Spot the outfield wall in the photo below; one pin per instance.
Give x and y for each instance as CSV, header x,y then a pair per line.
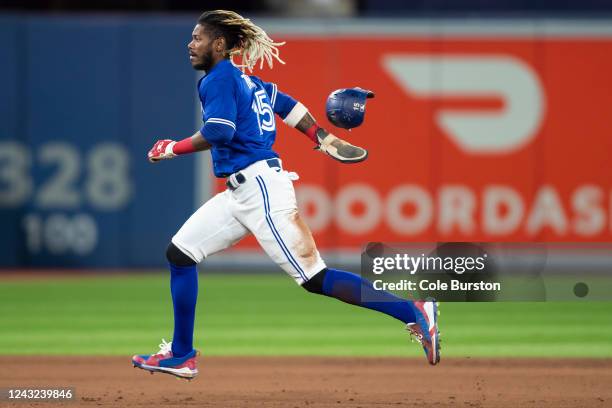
x,y
480,131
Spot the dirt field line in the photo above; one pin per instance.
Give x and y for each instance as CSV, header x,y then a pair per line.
x,y
320,382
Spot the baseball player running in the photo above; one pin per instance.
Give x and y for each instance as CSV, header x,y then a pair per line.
x,y
238,112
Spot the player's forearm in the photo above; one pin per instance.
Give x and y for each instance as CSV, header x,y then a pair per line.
x,y
301,119
195,143
306,122
308,126
199,142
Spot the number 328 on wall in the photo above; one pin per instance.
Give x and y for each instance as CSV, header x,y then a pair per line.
x,y
106,185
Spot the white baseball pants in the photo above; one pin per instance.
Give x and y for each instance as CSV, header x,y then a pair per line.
x,y
264,205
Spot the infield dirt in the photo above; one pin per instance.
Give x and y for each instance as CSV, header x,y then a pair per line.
x,y
319,382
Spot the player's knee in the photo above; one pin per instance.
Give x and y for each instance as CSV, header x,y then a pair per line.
x,y
315,284
177,257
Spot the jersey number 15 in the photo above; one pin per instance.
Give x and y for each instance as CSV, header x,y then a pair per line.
x,y
264,112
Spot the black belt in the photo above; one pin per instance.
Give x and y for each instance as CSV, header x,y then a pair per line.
x,y
236,179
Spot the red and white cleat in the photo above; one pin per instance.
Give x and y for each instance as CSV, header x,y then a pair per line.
x,y
425,329
164,362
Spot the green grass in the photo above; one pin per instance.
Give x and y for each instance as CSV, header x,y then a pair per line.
x,y
270,315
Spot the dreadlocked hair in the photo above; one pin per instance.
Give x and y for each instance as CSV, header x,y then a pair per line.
x,y
243,38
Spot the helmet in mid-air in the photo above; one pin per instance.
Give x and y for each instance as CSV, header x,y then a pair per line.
x,y
346,107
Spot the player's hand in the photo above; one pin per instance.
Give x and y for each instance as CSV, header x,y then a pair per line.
x,y
339,149
161,150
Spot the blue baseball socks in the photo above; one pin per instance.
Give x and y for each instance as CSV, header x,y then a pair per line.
x,y
345,286
184,288
352,288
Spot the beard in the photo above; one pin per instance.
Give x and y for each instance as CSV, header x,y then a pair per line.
x,y
205,61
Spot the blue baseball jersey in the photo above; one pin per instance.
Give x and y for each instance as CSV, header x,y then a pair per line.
x,y
238,111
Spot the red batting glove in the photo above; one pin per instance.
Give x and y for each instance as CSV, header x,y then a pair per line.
x,y
161,150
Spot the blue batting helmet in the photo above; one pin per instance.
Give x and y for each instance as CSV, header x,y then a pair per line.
x,y
346,107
